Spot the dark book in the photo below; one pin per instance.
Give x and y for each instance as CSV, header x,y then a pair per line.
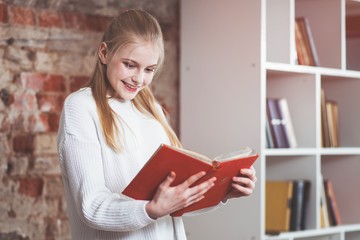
x,y
276,123
300,197
333,210
186,163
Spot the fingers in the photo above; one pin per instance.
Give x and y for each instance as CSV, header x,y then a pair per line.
x,y
244,191
196,193
249,173
193,179
169,179
245,182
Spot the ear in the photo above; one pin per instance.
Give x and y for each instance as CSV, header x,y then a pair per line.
x,y
102,52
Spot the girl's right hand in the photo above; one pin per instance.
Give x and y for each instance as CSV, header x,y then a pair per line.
x,y
169,199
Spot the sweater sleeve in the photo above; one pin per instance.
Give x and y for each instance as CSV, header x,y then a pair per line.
x,y
82,168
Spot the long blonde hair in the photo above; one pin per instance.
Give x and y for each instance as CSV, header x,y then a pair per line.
x,y
128,27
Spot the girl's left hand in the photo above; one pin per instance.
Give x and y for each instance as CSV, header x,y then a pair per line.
x,y
243,184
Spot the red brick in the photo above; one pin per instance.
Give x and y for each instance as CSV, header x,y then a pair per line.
x,y
74,20
54,119
97,23
50,19
50,120
3,13
23,144
32,187
54,83
21,15
49,102
42,81
77,82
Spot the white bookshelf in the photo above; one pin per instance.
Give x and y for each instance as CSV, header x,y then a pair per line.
x,y
234,54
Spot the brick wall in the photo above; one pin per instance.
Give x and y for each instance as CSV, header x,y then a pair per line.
x,y
47,51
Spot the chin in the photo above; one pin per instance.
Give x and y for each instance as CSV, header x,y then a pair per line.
x,y
129,96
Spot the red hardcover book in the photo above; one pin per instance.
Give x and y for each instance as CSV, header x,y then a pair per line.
x,y
186,163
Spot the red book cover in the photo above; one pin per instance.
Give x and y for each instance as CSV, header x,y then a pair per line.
x,y
186,163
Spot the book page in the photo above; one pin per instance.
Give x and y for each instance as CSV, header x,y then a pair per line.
x,y
193,154
242,152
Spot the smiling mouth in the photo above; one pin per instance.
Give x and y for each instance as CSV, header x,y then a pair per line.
x,y
131,86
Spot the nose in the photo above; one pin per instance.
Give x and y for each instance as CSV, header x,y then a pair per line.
x,y
138,78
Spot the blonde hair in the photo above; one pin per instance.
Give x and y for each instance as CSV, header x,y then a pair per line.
x,y
129,27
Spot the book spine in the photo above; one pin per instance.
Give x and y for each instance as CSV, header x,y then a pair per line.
x,y
334,214
332,116
299,41
305,43
287,122
299,204
324,121
269,135
276,124
324,216
311,44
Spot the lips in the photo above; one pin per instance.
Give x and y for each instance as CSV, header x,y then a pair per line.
x,y
131,88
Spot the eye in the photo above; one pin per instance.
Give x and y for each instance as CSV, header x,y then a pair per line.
x,y
150,70
128,64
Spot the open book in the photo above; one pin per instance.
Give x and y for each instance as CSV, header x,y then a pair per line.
x,y
186,163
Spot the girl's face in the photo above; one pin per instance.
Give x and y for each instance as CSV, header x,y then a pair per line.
x,y
131,68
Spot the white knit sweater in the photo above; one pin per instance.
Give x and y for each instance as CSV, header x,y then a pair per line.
x,y
94,175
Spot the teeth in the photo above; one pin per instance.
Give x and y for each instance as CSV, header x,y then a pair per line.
x,y
130,86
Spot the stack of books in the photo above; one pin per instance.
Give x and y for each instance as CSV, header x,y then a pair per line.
x,y
286,203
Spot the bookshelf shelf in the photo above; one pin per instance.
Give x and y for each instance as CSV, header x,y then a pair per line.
x,y
292,68
227,73
330,232
290,151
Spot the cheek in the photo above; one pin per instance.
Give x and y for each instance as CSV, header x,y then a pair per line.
x,y
116,70
148,79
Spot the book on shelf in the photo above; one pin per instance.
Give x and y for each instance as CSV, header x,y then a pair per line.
x,y
305,46
279,129
324,216
329,122
269,135
300,198
333,119
278,198
287,122
276,123
332,207
325,138
186,163
286,203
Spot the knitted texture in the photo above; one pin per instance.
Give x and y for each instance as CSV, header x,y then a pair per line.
x,y
94,175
